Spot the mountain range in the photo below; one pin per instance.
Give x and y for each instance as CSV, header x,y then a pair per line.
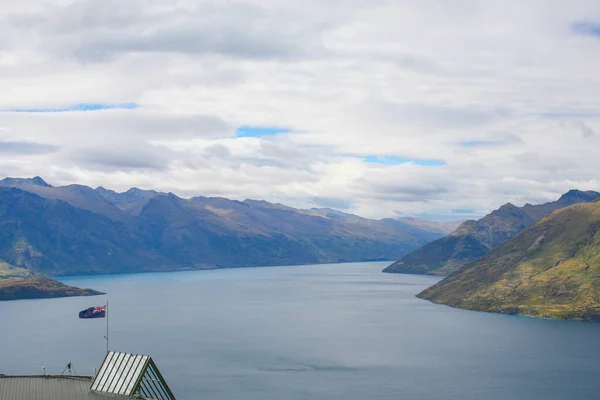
x,y
75,229
474,239
550,269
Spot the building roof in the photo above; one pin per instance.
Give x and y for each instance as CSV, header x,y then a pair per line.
x,y
131,375
51,387
121,376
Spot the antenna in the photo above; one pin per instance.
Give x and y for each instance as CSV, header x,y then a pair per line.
x,y
70,368
44,370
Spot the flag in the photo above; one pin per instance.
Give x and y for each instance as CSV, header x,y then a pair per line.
x,y
93,312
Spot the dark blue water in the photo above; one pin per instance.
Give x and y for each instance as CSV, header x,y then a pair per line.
x,y
342,331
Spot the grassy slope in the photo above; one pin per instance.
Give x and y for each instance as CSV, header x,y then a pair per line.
x,y
551,269
10,271
38,288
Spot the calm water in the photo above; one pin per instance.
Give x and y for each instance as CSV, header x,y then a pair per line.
x,y
342,331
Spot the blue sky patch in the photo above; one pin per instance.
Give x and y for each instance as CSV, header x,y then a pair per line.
x,y
395,160
78,107
259,131
586,28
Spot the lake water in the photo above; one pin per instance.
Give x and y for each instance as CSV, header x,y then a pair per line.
x,y
344,331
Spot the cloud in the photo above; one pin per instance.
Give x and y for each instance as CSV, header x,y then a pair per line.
x,y
585,130
115,125
463,211
26,148
123,157
332,202
376,107
478,143
94,32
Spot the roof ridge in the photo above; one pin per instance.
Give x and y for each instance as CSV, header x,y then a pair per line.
x,y
80,377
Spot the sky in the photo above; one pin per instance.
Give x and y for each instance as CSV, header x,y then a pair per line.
x,y
429,108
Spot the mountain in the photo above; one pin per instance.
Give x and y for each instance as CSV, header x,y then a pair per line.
x,y
222,232
551,269
74,230
407,222
433,226
52,237
77,195
131,201
24,182
473,239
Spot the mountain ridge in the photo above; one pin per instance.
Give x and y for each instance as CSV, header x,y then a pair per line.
x,y
70,230
473,239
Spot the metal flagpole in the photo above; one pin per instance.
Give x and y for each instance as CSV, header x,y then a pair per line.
x,y
106,327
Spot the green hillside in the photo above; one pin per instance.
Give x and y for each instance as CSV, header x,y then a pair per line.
x,y
551,269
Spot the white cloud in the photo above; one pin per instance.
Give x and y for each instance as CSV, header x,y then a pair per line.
x,y
505,94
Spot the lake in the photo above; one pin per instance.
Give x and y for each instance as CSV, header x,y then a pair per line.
x,y
342,331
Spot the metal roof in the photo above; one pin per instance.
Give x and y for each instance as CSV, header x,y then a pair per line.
x,y
131,375
50,387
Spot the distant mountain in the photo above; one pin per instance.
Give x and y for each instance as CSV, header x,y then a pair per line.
x,y
222,232
421,224
551,269
433,226
51,237
24,182
473,239
131,201
77,195
74,230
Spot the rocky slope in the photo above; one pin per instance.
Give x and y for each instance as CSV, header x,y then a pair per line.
x,y
551,269
473,239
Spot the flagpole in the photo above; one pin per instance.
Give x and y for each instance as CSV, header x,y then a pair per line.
x,y
106,326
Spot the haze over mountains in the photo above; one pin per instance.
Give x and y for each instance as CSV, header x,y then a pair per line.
x,y
551,269
79,230
474,239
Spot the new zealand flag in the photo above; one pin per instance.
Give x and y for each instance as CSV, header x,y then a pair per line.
x,y
93,312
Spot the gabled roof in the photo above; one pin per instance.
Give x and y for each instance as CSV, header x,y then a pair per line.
x,y
131,375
